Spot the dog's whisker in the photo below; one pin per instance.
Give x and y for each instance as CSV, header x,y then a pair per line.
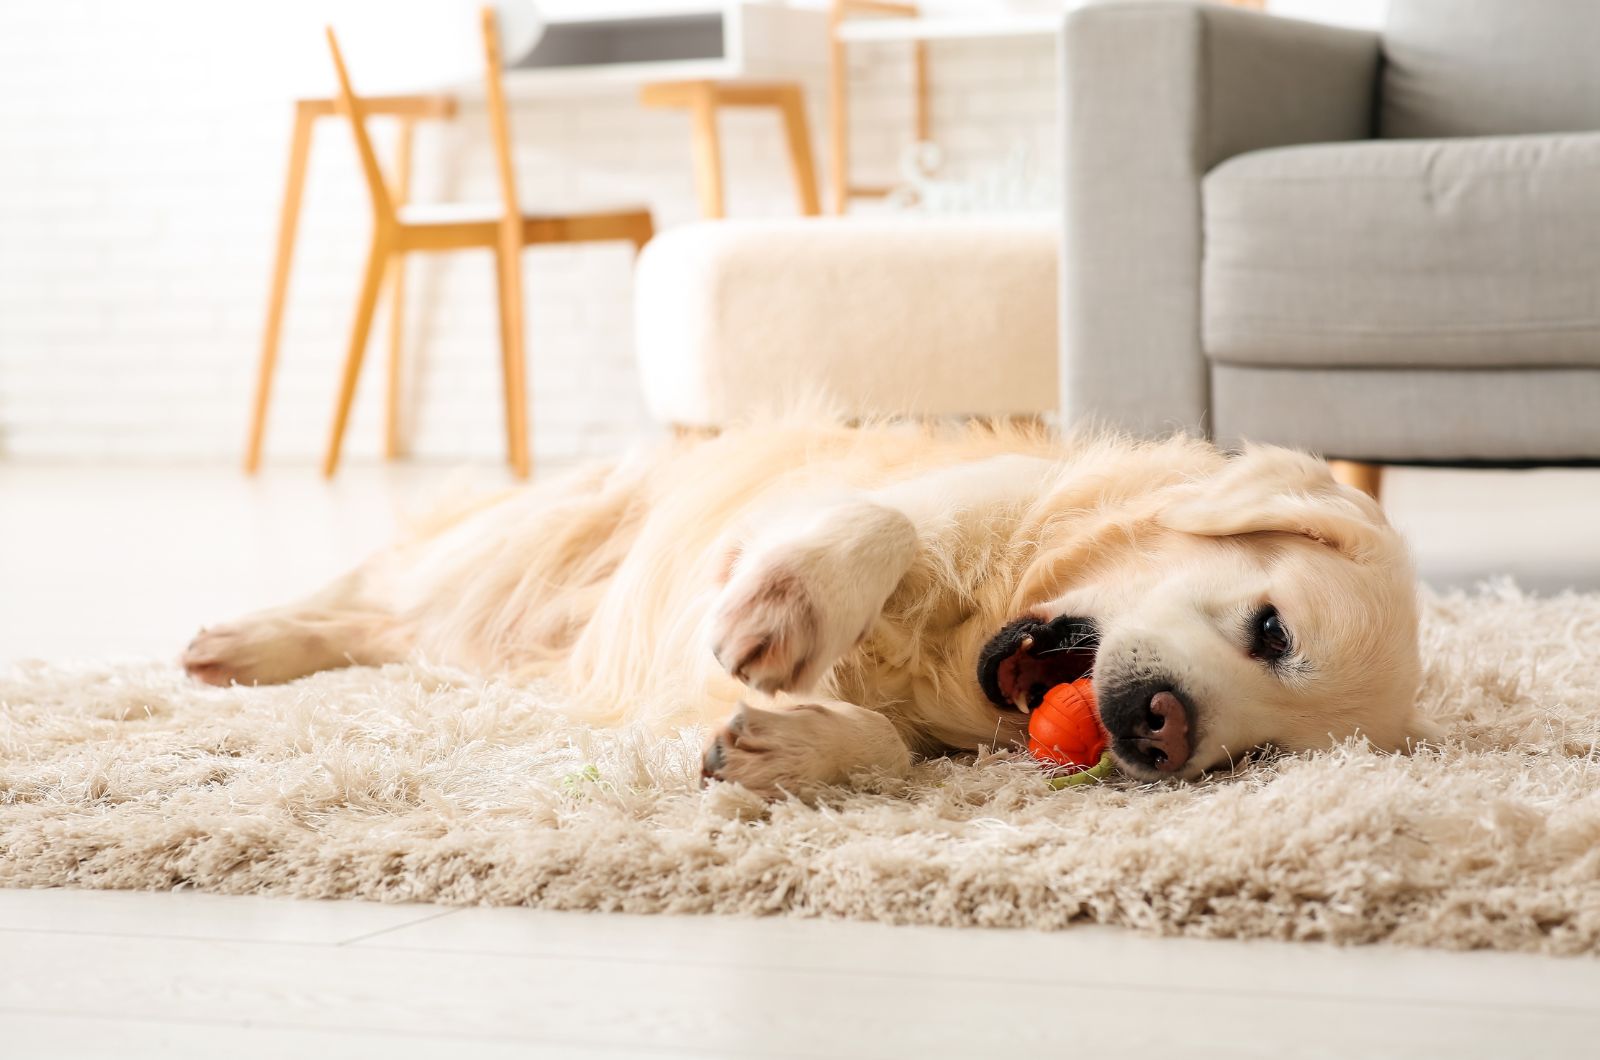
x,y
1080,646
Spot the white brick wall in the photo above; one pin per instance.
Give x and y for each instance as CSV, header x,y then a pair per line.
x,y
138,199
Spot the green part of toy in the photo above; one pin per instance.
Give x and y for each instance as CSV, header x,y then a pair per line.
x,y
574,783
1097,772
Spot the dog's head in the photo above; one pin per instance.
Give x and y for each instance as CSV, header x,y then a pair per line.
x,y
1264,604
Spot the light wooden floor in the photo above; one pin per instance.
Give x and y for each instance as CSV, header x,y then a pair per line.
x,y
96,563
103,974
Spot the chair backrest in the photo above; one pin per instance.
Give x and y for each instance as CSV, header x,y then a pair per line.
x,y
499,119
351,107
1486,67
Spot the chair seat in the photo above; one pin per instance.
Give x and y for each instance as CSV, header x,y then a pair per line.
x,y
454,213
1472,253
458,226
449,213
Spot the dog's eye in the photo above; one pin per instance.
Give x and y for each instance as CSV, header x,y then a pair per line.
x,y
1270,637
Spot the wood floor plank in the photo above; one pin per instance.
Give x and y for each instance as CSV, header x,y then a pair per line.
x,y
716,1010
74,1036
188,914
1084,956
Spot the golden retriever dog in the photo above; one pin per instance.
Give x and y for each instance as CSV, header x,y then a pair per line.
x,y
833,601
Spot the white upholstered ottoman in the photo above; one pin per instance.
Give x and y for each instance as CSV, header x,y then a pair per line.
x,y
914,316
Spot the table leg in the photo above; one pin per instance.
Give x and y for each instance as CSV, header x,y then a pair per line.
x,y
919,66
838,117
791,102
707,150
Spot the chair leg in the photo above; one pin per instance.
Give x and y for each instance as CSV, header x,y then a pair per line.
x,y
393,443
795,132
288,223
1368,478
513,355
502,307
360,329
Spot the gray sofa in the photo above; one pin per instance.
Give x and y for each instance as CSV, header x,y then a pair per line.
x,y
1382,247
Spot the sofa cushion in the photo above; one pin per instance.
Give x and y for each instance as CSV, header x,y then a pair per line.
x,y
1539,416
874,316
1474,252
1487,67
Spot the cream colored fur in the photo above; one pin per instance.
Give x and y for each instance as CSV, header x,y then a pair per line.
x,y
839,584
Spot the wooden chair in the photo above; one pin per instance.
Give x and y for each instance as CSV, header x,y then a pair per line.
x,y
502,228
406,111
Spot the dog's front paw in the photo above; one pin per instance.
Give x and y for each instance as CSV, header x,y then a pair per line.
x,y
798,748
798,602
766,631
767,752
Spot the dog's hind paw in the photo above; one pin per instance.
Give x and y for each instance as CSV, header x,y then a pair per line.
x,y
215,657
252,651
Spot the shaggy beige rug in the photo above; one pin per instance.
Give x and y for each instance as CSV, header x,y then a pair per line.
x,y
418,783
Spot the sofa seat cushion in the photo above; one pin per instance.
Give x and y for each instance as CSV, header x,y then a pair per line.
x,y
1479,252
1449,416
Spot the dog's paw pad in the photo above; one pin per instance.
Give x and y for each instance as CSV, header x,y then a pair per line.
x,y
765,632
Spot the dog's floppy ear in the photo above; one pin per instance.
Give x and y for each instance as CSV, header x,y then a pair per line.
x,y
1269,489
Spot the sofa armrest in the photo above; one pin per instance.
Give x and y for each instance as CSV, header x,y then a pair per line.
x,y
1155,95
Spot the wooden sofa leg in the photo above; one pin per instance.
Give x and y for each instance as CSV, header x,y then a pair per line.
x,y
1368,478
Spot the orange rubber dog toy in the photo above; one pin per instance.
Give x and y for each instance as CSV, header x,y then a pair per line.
x,y
1065,729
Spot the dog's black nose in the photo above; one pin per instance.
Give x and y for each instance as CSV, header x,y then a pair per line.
x,y
1150,726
